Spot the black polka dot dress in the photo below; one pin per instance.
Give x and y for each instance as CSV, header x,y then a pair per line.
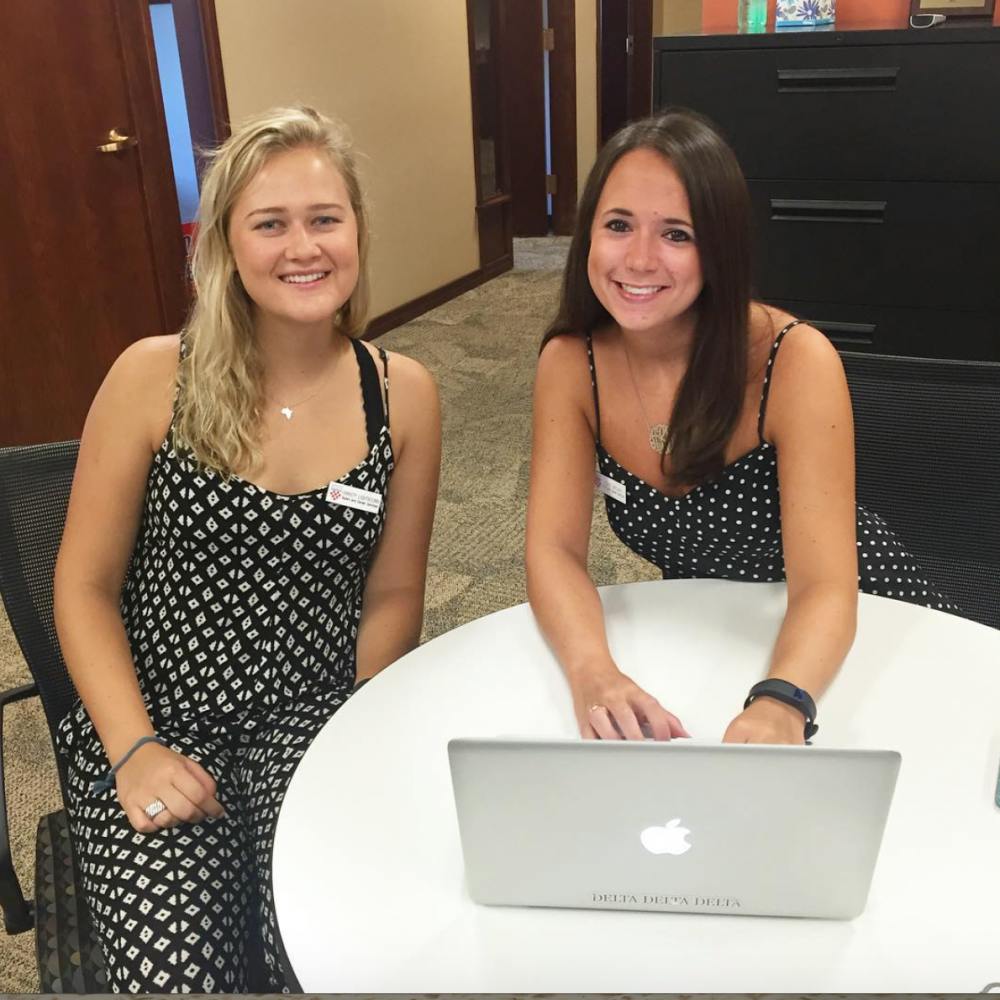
x,y
730,528
241,607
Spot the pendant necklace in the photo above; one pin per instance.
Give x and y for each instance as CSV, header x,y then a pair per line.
x,y
288,411
657,432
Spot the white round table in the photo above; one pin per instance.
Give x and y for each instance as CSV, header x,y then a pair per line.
x,y
368,876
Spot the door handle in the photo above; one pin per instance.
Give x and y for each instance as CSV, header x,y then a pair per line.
x,y
823,210
116,142
810,81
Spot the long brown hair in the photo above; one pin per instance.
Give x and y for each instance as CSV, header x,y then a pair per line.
x,y
710,398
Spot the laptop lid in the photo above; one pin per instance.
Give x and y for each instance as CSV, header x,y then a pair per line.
x,y
738,829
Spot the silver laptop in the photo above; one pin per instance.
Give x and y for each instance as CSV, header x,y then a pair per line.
x,y
679,826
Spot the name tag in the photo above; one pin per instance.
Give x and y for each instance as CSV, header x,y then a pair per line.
x,y
609,487
351,496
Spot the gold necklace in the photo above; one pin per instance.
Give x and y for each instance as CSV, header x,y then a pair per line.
x,y
657,432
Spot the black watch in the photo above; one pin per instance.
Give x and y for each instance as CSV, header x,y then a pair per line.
x,y
789,694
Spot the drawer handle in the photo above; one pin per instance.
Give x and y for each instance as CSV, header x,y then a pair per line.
x,y
847,334
851,80
806,210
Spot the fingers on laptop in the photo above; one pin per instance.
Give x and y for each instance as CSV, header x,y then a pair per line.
x,y
638,718
617,721
664,725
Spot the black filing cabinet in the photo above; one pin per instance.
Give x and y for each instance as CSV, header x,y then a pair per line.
x,y
873,162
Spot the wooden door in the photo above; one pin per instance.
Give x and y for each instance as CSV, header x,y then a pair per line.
x,y
93,251
490,151
640,58
562,114
522,85
612,67
625,70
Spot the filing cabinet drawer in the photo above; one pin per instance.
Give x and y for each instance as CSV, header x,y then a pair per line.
x,y
868,112
923,333
908,245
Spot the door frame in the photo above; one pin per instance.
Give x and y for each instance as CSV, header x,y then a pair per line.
x,y
640,65
493,211
522,86
163,220
623,94
562,115
201,69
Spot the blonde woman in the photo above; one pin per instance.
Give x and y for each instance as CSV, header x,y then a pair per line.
x,y
246,542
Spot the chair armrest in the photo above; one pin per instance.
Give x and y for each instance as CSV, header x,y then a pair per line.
x,y
18,912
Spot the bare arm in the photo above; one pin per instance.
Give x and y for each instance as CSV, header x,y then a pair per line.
x,y
562,594
393,607
809,421
105,506
127,420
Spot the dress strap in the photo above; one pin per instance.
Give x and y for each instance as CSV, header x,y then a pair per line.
x,y
593,386
371,392
765,390
385,380
185,349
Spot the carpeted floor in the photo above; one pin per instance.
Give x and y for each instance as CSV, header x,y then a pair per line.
x,y
481,348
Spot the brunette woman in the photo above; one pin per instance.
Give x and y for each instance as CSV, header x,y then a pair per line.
x,y
722,432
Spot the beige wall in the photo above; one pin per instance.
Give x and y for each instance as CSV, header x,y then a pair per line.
x,y
586,89
397,72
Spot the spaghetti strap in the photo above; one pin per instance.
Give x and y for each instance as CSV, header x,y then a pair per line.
x,y
766,388
593,386
182,353
385,381
371,393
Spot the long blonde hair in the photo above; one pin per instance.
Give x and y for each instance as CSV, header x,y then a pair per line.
x,y
219,380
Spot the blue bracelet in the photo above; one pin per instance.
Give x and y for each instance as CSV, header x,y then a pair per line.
x,y
108,781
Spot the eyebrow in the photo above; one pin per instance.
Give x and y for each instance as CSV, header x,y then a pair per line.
x,y
631,215
278,209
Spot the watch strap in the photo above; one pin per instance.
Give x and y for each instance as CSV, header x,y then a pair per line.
x,y
788,694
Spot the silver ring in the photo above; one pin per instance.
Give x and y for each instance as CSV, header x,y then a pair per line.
x,y
597,708
155,808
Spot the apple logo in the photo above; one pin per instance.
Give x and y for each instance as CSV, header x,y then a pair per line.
x,y
666,839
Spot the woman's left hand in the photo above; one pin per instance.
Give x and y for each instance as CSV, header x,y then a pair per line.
x,y
767,721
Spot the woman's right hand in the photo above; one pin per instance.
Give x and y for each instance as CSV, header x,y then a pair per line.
x,y
181,784
611,706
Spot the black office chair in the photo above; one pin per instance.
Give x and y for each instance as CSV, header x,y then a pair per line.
x,y
927,436
34,490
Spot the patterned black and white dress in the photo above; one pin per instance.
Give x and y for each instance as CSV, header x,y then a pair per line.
x,y
242,609
730,528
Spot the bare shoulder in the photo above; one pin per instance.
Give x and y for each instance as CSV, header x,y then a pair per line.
x,y
563,393
414,403
408,378
563,362
804,349
808,384
149,362
563,348
138,391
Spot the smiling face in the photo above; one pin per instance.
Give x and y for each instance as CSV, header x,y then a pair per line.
x,y
644,265
294,238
